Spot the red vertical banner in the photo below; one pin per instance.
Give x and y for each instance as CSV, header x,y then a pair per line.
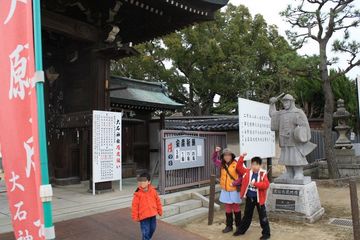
x,y
18,119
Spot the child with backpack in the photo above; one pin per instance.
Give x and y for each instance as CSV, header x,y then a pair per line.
x,y
230,182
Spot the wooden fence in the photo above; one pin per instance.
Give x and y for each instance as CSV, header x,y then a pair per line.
x,y
319,152
171,180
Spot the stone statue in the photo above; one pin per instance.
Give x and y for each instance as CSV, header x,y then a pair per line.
x,y
294,139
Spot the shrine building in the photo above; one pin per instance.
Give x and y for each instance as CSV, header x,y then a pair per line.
x,y
80,39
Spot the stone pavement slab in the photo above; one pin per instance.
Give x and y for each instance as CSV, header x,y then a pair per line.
x,y
75,201
2,185
112,225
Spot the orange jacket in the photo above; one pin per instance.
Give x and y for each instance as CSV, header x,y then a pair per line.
x,y
225,179
145,204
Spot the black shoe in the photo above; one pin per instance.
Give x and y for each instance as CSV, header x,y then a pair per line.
x,y
229,223
237,223
227,229
238,233
264,237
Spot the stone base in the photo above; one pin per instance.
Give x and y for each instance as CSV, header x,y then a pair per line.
x,y
66,181
294,202
304,181
297,217
346,170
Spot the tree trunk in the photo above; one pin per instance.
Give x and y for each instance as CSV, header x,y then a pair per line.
x,y
192,105
328,115
207,104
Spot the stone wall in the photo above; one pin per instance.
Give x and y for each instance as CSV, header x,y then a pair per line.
x,y
348,163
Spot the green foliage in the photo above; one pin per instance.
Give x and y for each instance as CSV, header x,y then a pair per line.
x,y
308,88
236,55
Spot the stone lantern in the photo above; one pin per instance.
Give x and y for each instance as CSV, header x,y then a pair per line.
x,y
342,116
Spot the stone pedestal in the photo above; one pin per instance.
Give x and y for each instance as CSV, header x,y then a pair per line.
x,y
294,202
304,181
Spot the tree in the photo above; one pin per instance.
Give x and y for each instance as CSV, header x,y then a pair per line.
x,y
236,55
318,20
309,93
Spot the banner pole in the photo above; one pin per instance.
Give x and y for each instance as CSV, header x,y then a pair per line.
x,y
45,189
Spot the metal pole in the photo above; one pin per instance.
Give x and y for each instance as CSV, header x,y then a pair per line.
x,y
47,206
211,199
162,171
354,209
358,105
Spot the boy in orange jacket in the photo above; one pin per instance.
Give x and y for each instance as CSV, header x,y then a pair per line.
x,y
145,206
254,188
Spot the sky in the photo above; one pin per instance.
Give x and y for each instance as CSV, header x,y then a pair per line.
x,y
270,9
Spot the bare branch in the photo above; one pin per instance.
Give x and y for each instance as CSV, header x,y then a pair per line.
x,y
351,66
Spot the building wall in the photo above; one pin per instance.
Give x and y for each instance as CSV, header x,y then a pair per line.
x,y
154,137
233,141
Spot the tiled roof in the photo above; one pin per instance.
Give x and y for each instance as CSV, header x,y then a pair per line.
x,y
205,123
132,93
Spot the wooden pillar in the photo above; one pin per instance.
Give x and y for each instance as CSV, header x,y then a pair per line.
x,y
100,72
354,209
269,168
162,120
84,142
211,199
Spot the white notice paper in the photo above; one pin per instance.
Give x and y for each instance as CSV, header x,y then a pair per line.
x,y
256,137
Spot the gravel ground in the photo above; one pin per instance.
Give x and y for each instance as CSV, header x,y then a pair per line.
x,y
335,200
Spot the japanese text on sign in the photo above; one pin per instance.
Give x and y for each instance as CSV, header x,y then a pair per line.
x,y
107,147
256,137
18,120
184,152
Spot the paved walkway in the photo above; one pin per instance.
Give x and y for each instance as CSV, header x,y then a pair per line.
x,y
112,225
75,201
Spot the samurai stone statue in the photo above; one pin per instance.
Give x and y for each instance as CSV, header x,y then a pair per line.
x,y
294,138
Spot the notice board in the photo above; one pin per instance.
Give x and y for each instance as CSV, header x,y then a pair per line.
x,y
256,137
107,148
184,152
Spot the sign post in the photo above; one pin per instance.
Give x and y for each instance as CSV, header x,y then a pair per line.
x,y
107,148
39,79
358,104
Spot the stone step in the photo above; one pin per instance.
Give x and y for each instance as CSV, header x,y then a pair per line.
x,y
186,195
175,198
170,210
181,207
188,205
183,218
